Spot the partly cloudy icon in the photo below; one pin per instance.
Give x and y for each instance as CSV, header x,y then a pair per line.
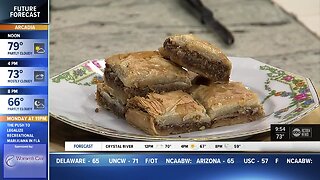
x,y
39,48
38,104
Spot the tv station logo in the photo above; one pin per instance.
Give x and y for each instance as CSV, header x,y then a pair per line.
x,y
301,132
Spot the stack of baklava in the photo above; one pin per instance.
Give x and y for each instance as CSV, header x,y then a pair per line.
x,y
181,88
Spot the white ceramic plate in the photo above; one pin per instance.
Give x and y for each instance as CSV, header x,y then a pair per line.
x,y
286,98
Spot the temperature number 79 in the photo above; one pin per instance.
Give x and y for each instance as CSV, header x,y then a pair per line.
x,y
15,45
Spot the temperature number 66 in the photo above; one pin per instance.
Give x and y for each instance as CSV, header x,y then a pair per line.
x,y
14,101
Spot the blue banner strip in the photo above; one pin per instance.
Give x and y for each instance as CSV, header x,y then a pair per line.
x,y
184,166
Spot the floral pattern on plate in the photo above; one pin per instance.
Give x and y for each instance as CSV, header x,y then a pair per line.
x,y
300,95
77,74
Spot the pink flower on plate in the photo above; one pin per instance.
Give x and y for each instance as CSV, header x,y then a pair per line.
x,y
87,66
300,97
96,63
288,78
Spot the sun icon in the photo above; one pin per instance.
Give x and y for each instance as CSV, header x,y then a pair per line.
x,y
193,146
37,48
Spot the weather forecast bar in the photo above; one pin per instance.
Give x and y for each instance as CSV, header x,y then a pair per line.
x,y
194,146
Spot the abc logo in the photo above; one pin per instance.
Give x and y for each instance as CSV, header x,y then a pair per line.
x,y
296,132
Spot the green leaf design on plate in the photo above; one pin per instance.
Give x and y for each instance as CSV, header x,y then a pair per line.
x,y
299,95
76,75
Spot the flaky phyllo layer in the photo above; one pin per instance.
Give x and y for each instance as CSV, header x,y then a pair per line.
x,y
207,107
142,72
198,56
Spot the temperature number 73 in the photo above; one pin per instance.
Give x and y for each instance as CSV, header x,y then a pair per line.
x,y
14,73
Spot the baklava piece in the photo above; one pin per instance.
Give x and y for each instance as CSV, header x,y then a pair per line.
x,y
110,99
167,113
229,103
139,73
198,56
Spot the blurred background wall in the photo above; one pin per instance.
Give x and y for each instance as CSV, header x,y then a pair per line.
x,y
283,33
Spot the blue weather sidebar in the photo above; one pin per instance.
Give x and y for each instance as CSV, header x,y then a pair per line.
x,y
24,89
24,101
